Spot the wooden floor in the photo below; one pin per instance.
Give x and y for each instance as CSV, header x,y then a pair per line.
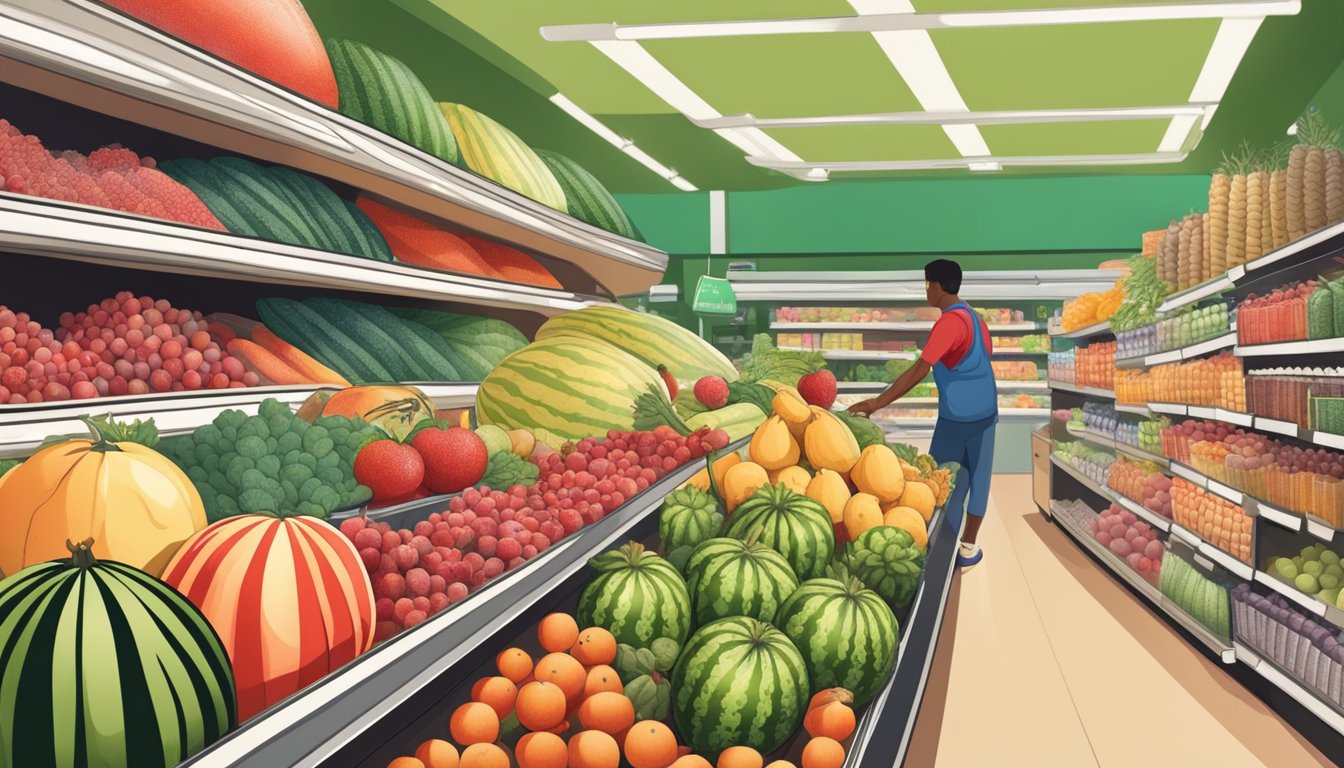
x,y
1045,661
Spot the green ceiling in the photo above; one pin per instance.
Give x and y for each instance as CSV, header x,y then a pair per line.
x,y
1098,65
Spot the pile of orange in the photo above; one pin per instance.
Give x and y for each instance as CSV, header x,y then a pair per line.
x,y
573,706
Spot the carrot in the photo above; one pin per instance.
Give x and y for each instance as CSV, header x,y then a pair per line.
x,y
268,366
296,358
221,333
673,388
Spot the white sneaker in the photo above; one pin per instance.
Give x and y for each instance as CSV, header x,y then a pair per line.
x,y
968,554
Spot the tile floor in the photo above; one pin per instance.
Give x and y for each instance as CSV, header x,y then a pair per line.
x,y
1045,661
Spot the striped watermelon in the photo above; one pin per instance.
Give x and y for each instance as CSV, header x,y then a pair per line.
x,y
738,682
587,199
797,527
495,152
379,90
103,665
571,387
731,577
649,338
637,596
888,561
289,596
689,516
846,632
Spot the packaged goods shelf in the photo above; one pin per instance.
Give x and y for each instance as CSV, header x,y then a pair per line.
x,y
818,287
913,326
96,235
1100,329
1152,518
88,54
1284,682
24,427
1294,348
1190,352
1088,391
1103,441
1076,474
1306,602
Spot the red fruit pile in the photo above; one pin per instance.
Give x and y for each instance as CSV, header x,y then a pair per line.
x,y
34,366
1129,538
1143,482
112,177
436,461
486,532
1279,316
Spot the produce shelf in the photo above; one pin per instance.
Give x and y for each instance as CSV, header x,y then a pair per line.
x,y
87,54
24,427
1152,518
1089,391
1137,410
1140,454
1209,551
312,726
855,354
1284,682
1089,483
913,325
908,285
1314,347
1190,352
1308,603
1204,290
1002,385
1100,329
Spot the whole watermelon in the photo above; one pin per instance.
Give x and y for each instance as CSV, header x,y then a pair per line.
x,y
637,596
846,633
104,666
888,561
797,527
689,516
738,682
731,577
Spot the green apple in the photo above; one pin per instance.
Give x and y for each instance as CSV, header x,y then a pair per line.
x,y
1285,568
1307,583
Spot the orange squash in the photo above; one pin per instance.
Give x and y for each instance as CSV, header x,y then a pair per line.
x,y
393,409
135,504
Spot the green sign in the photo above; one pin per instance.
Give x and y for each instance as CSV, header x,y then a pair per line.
x,y
714,296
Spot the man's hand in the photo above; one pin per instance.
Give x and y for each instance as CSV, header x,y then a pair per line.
x,y
865,407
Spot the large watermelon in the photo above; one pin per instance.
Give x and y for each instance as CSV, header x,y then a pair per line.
x,y
797,527
846,632
730,577
571,387
689,517
637,596
381,91
587,199
496,153
888,561
102,665
738,682
289,596
652,339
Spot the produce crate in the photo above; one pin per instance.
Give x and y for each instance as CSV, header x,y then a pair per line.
x,y
1301,645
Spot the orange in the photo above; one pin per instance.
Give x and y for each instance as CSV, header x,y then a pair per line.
x,y
650,744
833,720
541,750
474,723
514,663
691,761
484,756
593,749
498,692
740,757
822,752
437,753
595,646
827,695
563,670
541,706
602,678
607,711
781,764
406,762
558,632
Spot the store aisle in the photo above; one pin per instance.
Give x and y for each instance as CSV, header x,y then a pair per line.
x,y
1045,661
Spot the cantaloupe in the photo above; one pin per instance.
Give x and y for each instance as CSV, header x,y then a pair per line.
x,y
918,496
910,521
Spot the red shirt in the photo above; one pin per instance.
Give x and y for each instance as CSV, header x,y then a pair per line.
x,y
950,339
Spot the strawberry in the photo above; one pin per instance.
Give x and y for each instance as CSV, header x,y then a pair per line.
x,y
455,458
818,388
712,392
390,469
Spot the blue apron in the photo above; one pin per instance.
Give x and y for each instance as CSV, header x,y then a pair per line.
x,y
967,392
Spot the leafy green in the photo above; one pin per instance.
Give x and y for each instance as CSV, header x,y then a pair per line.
x,y
142,432
758,395
1144,293
766,363
652,410
504,470
904,452
686,404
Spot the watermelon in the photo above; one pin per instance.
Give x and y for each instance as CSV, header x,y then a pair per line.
x,y
652,339
381,91
637,596
103,665
482,342
797,527
731,577
271,38
888,561
586,198
689,516
571,387
289,596
738,682
846,633
496,153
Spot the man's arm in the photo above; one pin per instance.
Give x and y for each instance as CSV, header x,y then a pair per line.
x,y
903,384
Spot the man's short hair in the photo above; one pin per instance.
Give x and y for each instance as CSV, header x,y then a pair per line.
x,y
944,272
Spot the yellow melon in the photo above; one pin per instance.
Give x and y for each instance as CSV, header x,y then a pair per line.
x,y
918,496
908,520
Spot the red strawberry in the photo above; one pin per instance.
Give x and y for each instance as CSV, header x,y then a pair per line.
x,y
712,392
818,388
390,469
455,458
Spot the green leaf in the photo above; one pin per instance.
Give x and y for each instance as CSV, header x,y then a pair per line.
x,y
758,395
652,410
766,363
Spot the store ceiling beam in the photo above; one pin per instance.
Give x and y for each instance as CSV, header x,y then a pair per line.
x,y
958,117
801,169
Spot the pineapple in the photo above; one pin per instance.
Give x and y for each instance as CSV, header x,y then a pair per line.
x,y
1220,191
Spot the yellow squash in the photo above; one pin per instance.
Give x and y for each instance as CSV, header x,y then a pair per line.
x,y
919,497
862,512
829,444
878,472
795,478
772,446
135,504
740,481
830,490
721,466
908,520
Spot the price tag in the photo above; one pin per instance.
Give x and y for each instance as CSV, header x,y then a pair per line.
x,y
1231,494
1279,517
1278,427
1320,530
1180,469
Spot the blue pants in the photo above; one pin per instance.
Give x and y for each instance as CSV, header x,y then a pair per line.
x,y
970,444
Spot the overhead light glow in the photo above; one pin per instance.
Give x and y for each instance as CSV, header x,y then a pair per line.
x,y
819,174
953,117
1292,129
614,139
1229,46
1178,130
682,184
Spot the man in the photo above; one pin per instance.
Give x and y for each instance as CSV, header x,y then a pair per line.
x,y
958,353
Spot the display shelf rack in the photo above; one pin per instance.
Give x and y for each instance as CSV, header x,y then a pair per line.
x,y
1254,507
1293,348
96,235
1001,385
23,428
1004,413
1204,290
311,726
91,55
912,326
1099,329
1152,518
908,285
1226,561
1135,452
1103,441
1076,474
1077,390
1191,352
856,354
1304,601
1169,409
1132,409
1286,683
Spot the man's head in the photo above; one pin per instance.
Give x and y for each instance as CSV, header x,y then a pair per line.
x,y
942,278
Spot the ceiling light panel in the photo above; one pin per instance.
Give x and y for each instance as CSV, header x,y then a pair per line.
x,y
615,139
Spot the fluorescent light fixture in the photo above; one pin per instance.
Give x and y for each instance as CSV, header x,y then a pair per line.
x,y
1178,131
645,160
1292,129
614,139
682,184
882,19
646,69
818,174
800,170
1229,46
952,117
1208,117
985,166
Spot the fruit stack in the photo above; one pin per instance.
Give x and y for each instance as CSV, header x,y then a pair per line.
x,y
1015,370
1096,365
1200,596
1218,521
1095,464
1144,482
1277,316
1100,418
1315,571
1217,381
1298,642
1063,367
1312,398
1192,326
1130,539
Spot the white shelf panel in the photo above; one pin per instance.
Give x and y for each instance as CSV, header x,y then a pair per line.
x,y
96,235
1089,391
1286,428
85,53
1200,292
1234,417
1171,409
1314,347
1100,329
1137,410
855,354
1152,518
1140,454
